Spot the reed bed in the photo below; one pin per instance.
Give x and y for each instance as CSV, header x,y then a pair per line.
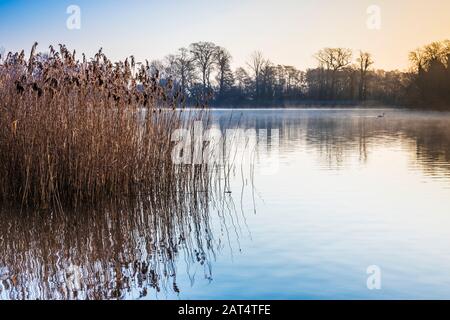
x,y
74,131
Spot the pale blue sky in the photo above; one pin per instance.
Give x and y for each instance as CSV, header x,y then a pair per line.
x,y
286,31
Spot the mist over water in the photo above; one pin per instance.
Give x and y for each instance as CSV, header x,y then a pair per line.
x,y
351,189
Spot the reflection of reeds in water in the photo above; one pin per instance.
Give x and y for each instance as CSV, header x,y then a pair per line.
x,y
123,250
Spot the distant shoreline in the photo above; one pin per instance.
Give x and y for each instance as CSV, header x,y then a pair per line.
x,y
308,106
371,106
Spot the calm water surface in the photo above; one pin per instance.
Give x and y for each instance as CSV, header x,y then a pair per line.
x,y
350,190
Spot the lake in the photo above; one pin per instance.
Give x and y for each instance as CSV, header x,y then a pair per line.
x,y
345,190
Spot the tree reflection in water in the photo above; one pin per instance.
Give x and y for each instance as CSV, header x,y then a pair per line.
x,y
336,136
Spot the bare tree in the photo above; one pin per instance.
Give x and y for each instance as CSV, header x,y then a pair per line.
x,y
435,52
243,80
334,60
417,57
223,61
268,73
365,60
169,65
157,68
203,56
185,69
423,57
257,63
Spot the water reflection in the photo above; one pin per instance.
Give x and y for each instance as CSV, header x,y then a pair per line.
x,y
352,190
118,251
339,136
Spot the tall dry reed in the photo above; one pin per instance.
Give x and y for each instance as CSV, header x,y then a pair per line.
x,y
76,131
